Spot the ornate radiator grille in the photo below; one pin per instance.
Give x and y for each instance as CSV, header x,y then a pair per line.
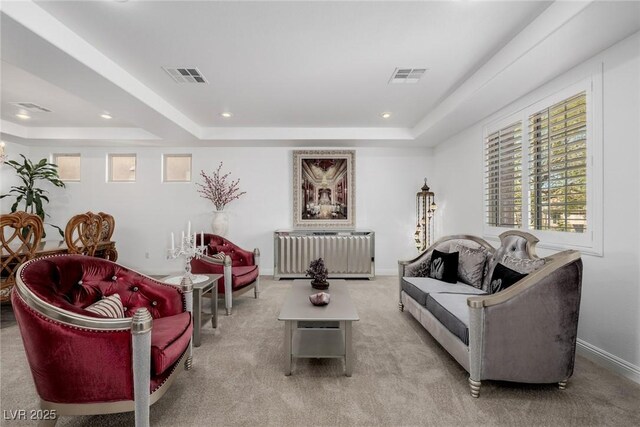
x,y
344,255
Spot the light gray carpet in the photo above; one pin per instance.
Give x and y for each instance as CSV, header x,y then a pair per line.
x,y
401,377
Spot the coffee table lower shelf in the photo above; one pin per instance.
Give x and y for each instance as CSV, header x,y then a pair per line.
x,y
318,331
320,343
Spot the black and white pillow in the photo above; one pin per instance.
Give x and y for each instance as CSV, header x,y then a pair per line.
x,y
219,256
110,306
502,278
444,266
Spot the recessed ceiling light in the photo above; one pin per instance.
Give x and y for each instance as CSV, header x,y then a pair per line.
x,y
106,116
226,114
23,116
385,115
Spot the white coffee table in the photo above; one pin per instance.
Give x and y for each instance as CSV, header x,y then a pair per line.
x,y
318,332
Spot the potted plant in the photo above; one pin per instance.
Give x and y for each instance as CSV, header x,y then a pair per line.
x,y
33,196
220,193
319,273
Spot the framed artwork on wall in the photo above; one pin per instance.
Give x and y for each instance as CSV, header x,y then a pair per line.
x,y
324,189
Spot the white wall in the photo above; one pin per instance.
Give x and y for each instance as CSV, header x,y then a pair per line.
x,y
609,327
148,210
8,177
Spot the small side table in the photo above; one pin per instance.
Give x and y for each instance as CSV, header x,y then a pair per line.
x,y
201,287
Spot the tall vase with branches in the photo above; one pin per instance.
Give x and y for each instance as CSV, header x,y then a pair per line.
x,y
221,191
33,197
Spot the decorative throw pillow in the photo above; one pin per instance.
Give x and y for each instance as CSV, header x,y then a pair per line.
x,y
471,265
444,266
521,265
219,256
422,269
502,278
110,306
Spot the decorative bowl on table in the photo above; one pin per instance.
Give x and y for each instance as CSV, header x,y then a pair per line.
x,y
321,298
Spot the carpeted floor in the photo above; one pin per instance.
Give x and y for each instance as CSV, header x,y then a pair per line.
x,y
401,377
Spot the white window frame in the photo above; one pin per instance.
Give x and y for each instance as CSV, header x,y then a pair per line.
x,y
54,160
591,241
164,168
110,179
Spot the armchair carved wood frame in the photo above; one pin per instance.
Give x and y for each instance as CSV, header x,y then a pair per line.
x,y
20,235
86,364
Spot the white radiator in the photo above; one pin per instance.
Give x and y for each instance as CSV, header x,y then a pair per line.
x,y
346,253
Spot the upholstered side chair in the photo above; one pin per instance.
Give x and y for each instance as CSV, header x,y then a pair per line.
x,y
21,233
241,268
86,362
83,233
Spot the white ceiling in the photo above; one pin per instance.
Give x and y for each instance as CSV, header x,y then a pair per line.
x,y
66,109
288,71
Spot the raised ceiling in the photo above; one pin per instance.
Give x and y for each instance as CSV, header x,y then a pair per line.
x,y
288,71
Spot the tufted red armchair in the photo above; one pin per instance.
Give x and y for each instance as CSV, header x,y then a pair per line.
x,y
85,363
240,267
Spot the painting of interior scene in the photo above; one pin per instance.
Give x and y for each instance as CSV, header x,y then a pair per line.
x,y
324,189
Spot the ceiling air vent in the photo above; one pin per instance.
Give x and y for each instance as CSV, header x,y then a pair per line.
x,y
406,75
185,75
30,106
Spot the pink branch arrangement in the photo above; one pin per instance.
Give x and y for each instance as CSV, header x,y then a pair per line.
x,y
216,188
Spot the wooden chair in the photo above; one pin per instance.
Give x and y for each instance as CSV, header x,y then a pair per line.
x,y
83,233
21,235
108,226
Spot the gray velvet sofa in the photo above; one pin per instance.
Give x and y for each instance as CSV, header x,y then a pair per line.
x,y
525,333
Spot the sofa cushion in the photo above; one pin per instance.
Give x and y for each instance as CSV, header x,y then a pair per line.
x,y
219,256
110,306
422,269
444,266
503,277
170,337
240,277
452,311
522,265
471,265
419,287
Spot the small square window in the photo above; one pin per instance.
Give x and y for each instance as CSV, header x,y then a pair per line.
x,y
176,168
122,167
68,166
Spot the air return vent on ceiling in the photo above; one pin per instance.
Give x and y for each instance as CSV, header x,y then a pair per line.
x,y
406,75
30,106
185,75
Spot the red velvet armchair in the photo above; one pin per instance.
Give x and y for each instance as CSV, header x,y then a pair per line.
x,y
84,363
240,267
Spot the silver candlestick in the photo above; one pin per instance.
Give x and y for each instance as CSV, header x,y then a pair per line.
x,y
188,250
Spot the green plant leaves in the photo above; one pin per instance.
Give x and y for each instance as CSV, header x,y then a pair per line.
x,y
33,196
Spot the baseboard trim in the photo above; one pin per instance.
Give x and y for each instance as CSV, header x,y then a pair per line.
x,y
608,360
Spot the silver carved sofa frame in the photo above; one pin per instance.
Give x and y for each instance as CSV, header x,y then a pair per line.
x,y
526,333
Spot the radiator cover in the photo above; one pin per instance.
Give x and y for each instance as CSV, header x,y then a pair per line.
x,y
347,254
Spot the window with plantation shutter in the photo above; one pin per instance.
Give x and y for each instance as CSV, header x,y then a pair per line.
x,y
543,170
558,166
503,176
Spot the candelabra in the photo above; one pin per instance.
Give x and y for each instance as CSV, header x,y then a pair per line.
x,y
187,250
